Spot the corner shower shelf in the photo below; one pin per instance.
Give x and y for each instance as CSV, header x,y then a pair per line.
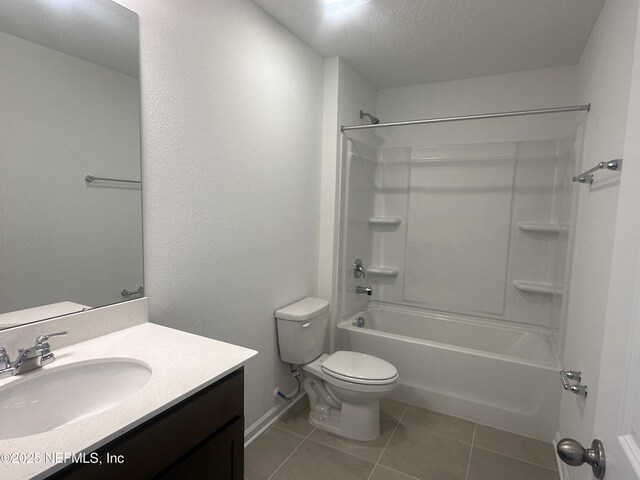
x,y
383,271
542,227
542,288
384,221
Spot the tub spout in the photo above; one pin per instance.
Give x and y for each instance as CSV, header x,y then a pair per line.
x,y
363,290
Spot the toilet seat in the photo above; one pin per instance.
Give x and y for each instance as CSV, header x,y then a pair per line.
x,y
316,369
360,368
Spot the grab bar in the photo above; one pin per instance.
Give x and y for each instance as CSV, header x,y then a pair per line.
x,y
587,177
91,178
575,376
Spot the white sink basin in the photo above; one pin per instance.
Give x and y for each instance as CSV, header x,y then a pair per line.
x,y
48,399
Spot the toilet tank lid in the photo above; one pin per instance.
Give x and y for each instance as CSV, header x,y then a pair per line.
x,y
303,310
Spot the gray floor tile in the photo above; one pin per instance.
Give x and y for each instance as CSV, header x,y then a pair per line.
x,y
383,473
487,465
416,418
422,454
296,419
516,446
313,461
267,452
393,408
367,450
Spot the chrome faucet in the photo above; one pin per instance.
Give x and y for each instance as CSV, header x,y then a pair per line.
x,y
33,357
363,290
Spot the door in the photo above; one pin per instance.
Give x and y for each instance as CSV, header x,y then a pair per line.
x,y
617,412
617,417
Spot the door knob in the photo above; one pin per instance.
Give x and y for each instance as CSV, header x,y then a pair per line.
x,y
572,453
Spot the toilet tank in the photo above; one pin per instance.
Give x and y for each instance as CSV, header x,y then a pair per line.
x,y
302,328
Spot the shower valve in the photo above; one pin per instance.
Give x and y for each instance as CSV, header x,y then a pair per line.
x,y
358,269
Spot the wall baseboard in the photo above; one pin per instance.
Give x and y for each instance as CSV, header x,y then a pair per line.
x,y
268,419
563,468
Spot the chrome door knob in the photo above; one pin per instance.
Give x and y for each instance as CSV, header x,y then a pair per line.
x,y
573,453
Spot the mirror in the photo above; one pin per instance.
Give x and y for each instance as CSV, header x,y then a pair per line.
x,y
70,101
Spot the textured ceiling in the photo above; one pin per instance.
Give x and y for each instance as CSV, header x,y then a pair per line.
x,y
403,42
99,31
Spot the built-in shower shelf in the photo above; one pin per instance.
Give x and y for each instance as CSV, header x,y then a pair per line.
x,y
542,288
383,271
385,221
542,227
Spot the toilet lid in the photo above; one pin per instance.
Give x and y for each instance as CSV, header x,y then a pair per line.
x,y
359,367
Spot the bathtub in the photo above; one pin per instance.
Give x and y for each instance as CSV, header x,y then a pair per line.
x,y
475,369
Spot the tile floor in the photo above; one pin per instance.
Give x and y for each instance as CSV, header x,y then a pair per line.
x,y
414,444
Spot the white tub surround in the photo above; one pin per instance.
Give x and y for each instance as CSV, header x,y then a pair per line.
x,y
501,376
181,364
482,228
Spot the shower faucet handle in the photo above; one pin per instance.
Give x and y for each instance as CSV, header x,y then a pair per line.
x,y
358,269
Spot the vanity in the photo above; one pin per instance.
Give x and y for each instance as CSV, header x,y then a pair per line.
x,y
144,401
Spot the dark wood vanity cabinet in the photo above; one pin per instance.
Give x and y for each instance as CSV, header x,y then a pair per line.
x,y
202,437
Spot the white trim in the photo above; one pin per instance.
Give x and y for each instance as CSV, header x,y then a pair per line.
x,y
563,468
268,419
632,452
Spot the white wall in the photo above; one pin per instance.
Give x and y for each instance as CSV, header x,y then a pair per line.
x,y
345,94
549,87
61,238
329,179
231,115
604,80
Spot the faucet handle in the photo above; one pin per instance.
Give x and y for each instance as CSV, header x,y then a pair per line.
x,y
45,351
42,339
6,370
5,361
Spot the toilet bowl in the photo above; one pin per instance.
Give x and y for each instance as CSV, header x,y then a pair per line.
x,y
344,388
344,405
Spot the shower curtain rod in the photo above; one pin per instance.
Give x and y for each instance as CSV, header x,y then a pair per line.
x,y
541,111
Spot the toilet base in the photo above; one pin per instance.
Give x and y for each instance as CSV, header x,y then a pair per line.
x,y
359,421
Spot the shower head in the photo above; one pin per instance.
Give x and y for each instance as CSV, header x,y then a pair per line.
x,y
374,120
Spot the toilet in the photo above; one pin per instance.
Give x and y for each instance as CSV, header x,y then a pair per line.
x,y
344,388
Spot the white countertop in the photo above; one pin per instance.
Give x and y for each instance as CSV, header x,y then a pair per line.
x,y
181,363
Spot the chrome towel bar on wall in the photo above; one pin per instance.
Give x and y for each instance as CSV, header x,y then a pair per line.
x,y
587,177
91,179
127,293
